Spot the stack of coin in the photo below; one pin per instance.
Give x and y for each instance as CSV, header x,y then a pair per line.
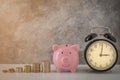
x,y
27,68
36,67
19,69
11,70
4,71
46,66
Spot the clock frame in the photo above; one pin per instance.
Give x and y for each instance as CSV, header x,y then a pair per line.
x,y
85,54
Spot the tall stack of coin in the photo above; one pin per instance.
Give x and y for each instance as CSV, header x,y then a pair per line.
x,y
19,69
27,68
46,66
36,67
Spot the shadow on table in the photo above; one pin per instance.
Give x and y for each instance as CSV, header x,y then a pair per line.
x,y
87,70
95,72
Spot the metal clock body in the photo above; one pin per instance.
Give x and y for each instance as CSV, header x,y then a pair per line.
x,y
101,55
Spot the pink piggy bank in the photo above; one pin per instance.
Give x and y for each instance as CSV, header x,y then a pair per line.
x,y
66,57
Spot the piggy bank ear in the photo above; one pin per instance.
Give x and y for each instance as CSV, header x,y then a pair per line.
x,y
55,47
76,47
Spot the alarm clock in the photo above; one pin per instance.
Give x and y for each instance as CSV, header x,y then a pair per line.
x,y
101,53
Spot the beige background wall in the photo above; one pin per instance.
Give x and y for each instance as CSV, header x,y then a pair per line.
x,y
29,28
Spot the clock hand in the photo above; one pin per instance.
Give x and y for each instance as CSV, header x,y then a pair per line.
x,y
101,50
105,55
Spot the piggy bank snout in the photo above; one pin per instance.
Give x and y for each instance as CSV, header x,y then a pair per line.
x,y
65,60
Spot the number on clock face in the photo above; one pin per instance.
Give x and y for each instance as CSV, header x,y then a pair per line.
x,y
101,55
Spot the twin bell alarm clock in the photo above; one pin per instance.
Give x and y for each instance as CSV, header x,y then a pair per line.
x,y
100,53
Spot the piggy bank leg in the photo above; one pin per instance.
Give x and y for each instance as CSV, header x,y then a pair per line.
x,y
73,70
58,69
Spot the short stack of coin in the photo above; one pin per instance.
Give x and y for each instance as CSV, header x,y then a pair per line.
x,y
11,70
5,71
45,66
36,67
27,68
19,69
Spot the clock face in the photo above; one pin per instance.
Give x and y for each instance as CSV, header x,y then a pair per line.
x,y
101,55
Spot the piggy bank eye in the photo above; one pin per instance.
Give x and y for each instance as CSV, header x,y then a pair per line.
x,y
70,53
61,52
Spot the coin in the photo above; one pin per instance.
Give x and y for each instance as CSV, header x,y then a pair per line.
x,y
19,69
36,67
46,66
27,68
4,71
11,70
